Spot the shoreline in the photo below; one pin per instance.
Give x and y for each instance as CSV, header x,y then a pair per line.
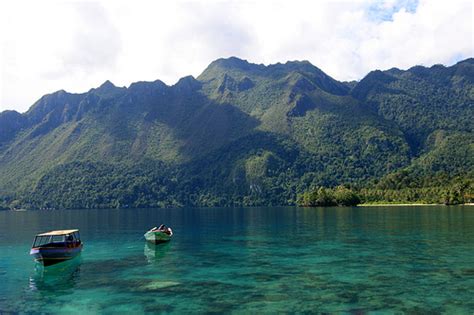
x,y
409,204
367,205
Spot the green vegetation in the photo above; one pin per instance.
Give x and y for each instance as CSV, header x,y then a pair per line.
x,y
400,188
322,197
245,135
5,204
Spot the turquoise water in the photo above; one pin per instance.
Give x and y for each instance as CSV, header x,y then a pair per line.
x,y
345,260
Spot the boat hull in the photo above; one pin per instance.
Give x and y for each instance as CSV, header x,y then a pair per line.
x,y
157,237
51,255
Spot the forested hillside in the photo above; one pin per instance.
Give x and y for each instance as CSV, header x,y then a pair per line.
x,y
244,134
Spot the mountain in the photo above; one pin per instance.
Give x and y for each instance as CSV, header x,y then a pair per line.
x,y
238,134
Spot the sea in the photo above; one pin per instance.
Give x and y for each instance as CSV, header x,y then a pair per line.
x,y
344,260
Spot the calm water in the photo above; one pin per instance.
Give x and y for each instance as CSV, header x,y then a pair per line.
x,y
347,260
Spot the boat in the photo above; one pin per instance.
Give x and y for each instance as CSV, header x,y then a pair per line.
x,y
56,246
159,235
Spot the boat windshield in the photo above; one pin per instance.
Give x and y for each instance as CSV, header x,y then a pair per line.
x,y
41,240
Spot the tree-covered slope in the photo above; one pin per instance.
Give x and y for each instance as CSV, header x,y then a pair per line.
x,y
422,100
239,134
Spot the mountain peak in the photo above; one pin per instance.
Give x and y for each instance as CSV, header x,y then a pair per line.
x,y
300,63
217,67
303,66
187,83
466,61
107,89
232,62
144,85
242,64
107,85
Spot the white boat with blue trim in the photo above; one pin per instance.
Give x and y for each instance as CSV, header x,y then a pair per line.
x,y
56,246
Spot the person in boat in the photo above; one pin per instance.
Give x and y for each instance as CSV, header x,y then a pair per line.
x,y
69,241
160,228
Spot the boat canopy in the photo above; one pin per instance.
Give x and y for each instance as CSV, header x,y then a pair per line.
x,y
58,233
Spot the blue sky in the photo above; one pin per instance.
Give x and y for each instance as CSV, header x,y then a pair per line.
x,y
50,45
380,11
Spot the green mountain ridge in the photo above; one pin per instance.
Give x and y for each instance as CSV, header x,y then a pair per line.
x,y
238,134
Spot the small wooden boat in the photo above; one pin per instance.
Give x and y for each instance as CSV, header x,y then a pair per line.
x,y
159,235
56,246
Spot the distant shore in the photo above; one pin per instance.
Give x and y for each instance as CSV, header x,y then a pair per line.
x,y
407,204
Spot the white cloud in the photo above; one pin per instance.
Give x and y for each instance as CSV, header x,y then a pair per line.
x,y
52,45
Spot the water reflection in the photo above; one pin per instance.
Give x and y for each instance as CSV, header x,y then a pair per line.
x,y
154,253
60,278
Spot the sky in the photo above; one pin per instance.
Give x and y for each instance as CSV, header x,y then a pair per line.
x,y
51,45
